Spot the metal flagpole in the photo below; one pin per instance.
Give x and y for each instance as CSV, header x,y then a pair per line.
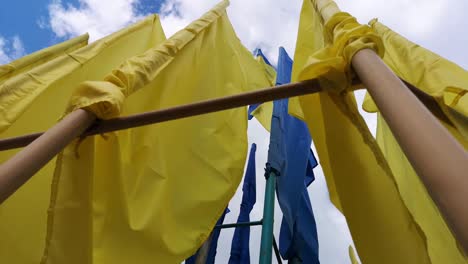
x,y
266,243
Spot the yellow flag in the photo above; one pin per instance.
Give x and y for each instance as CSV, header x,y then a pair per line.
x,y
153,194
436,77
360,181
433,75
264,111
352,255
37,58
32,99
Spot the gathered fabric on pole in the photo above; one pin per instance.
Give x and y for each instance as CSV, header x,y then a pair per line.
x,y
360,181
155,192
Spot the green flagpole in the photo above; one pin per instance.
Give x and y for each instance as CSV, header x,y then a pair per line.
x,y
268,215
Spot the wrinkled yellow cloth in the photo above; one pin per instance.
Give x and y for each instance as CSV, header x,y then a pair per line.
x,y
442,246
37,58
32,101
154,193
359,179
436,77
439,78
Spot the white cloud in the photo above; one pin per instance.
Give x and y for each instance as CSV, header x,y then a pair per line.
x,y
97,17
11,49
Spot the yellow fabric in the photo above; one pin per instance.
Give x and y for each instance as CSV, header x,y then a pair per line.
x,y
153,194
432,74
32,60
33,101
437,77
441,244
264,111
360,181
352,255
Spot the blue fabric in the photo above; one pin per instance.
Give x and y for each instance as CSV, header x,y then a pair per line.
x,y
289,153
213,245
240,253
251,109
258,52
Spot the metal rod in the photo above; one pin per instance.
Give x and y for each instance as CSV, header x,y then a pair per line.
x,y
224,103
21,167
438,159
266,243
178,112
254,223
277,253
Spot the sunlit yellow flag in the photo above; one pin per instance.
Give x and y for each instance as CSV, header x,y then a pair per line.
x,y
34,92
437,78
360,181
153,194
30,61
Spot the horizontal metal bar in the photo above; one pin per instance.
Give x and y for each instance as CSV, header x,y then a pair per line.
x,y
254,223
183,111
209,106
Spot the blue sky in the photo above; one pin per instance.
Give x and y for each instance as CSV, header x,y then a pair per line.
x,y
23,18
16,20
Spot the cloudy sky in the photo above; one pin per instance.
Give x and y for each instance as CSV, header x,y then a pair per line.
x,y
439,25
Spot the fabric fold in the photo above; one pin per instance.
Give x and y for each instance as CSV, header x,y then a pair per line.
x,y
435,77
32,99
359,179
156,192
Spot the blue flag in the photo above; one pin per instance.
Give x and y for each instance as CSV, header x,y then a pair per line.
x,y
213,245
240,242
289,153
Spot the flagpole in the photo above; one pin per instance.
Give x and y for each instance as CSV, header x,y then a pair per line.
x,y
266,243
21,167
438,159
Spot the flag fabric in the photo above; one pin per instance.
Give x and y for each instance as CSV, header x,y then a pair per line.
x,y
436,77
156,192
32,60
360,181
34,92
433,75
240,253
263,114
294,161
213,244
